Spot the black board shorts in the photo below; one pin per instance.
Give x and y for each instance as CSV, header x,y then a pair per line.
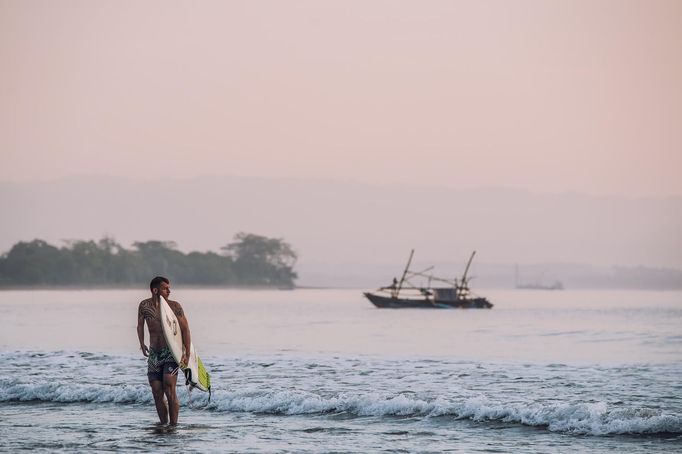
x,y
160,363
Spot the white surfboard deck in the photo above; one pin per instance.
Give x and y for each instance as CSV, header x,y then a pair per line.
x,y
195,373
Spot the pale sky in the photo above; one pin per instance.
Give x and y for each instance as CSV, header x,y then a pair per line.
x,y
571,95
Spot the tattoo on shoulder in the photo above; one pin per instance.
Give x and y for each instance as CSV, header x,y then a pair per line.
x,y
146,310
178,311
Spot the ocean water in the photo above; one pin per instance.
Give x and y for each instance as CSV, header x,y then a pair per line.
x,y
324,371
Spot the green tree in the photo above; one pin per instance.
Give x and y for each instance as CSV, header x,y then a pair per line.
x,y
159,258
208,269
35,263
249,260
260,260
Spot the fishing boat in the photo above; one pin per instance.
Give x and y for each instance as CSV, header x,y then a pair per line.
x,y
538,284
404,294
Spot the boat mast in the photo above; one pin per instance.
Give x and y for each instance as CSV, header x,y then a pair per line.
x,y
466,270
463,285
402,279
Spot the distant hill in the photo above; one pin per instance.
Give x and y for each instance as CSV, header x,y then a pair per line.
x,y
346,228
501,276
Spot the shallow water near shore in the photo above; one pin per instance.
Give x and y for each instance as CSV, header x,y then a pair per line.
x,y
322,370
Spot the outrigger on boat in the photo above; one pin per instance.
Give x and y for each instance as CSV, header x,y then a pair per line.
x,y
404,294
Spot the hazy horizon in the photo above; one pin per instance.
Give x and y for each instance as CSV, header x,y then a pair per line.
x,y
353,228
425,184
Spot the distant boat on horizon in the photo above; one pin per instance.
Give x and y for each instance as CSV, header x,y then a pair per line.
x,y
537,285
557,285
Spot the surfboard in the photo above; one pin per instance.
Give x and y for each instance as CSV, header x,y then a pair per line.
x,y
195,373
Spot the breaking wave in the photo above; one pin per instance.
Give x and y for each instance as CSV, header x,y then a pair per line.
x,y
576,418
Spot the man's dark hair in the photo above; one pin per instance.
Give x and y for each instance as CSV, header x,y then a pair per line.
x,y
156,282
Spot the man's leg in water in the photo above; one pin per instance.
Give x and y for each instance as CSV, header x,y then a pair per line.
x,y
169,381
157,392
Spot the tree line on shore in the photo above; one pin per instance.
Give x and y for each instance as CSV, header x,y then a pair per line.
x,y
250,260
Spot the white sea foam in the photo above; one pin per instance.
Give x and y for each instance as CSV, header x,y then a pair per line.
x,y
578,418
73,392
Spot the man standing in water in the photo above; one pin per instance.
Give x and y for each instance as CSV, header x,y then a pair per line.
x,y
162,369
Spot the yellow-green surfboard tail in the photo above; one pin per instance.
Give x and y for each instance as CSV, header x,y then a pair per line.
x,y
204,376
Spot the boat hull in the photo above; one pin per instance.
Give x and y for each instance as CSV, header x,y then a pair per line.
x,y
387,302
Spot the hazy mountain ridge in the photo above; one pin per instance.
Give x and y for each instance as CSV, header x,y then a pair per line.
x,y
346,228
486,275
